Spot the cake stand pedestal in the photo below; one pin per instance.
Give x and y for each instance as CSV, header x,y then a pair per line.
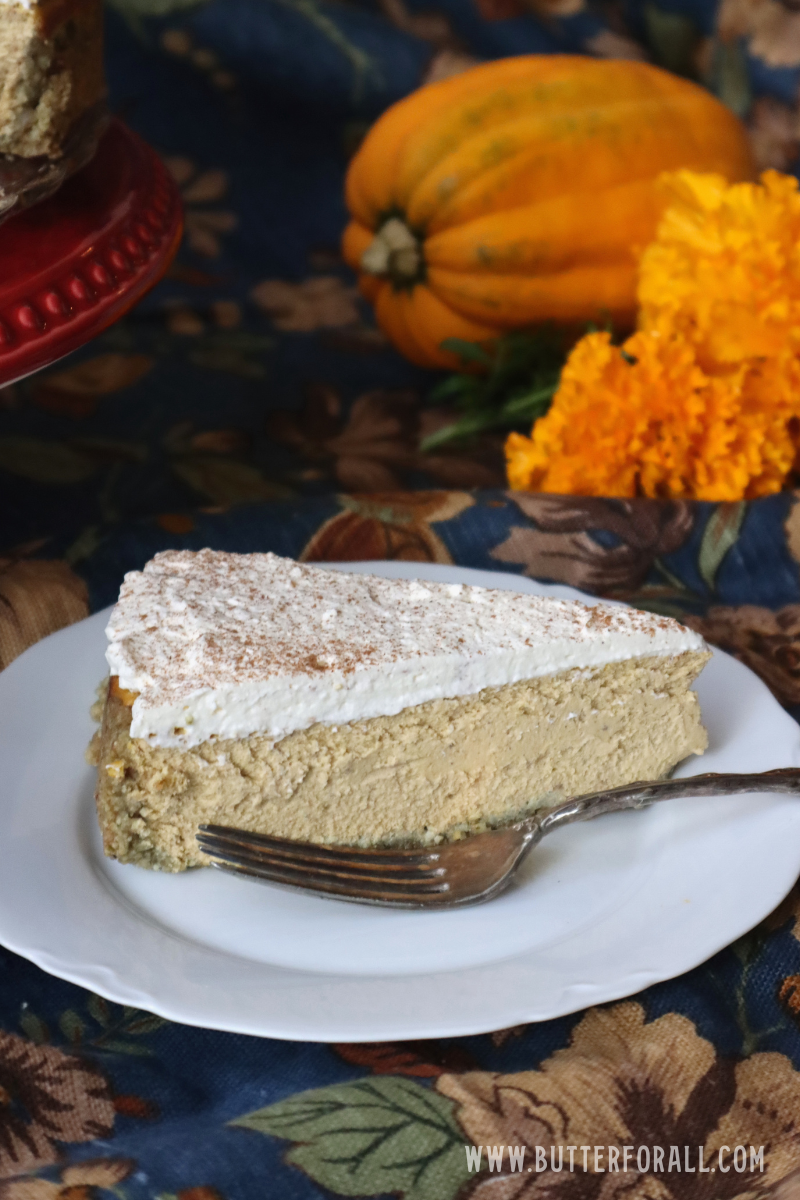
x,y
74,264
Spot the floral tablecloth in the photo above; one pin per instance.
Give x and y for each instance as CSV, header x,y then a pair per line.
x,y
251,403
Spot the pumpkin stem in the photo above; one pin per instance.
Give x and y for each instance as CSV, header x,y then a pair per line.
x,y
394,253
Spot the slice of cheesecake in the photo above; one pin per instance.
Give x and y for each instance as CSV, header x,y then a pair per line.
x,y
248,690
51,73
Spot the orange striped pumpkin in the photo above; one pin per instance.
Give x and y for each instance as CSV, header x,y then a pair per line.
x,y
520,192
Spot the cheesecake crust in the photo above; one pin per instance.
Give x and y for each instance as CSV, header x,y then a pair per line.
x,y
436,770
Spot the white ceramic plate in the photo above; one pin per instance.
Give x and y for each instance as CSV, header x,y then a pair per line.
x,y
600,911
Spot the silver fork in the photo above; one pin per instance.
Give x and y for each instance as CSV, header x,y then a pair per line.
x,y
468,871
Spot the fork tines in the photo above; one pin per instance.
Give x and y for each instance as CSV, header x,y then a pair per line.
x,y
393,875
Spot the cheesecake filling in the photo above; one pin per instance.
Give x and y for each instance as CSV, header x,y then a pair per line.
x,y
434,772
217,646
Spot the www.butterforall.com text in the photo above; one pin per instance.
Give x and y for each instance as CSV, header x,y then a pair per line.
x,y
640,1160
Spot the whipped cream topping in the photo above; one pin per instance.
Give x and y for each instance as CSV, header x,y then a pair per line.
x,y
222,645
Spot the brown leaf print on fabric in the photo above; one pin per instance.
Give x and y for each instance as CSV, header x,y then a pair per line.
x,y
791,528
766,641
219,441
501,10
623,1081
787,910
789,996
370,449
481,466
226,481
77,391
183,320
323,302
419,1060
204,462
607,43
367,451
501,1036
389,527
36,598
555,8
204,226
47,1097
429,26
377,437
136,1106
774,133
772,29
81,1182
561,549
177,523
788,1188
447,63
180,43
765,1112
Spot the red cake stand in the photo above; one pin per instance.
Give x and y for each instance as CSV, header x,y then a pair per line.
x,y
72,265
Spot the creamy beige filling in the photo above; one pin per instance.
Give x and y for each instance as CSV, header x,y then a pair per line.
x,y
435,770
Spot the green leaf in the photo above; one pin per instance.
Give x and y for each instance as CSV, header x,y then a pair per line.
x,y
529,404
99,1010
71,1026
229,359
672,579
665,599
720,533
226,481
34,1028
117,1046
673,39
454,385
43,462
470,424
84,545
749,946
146,1024
468,352
447,433
729,77
519,374
528,407
661,608
375,1136
365,69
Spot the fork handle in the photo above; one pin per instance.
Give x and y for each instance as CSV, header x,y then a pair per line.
x,y
638,795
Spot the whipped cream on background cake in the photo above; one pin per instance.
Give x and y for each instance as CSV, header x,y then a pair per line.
x,y
224,645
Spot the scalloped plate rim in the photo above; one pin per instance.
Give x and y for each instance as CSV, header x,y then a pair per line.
x,y
112,948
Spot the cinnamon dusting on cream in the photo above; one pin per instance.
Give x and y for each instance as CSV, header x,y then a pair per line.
x,y
227,645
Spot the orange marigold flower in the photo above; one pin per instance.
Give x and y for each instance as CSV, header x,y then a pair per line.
x,y
646,420
704,401
724,269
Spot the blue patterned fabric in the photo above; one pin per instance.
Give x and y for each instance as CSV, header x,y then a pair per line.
x,y
250,403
